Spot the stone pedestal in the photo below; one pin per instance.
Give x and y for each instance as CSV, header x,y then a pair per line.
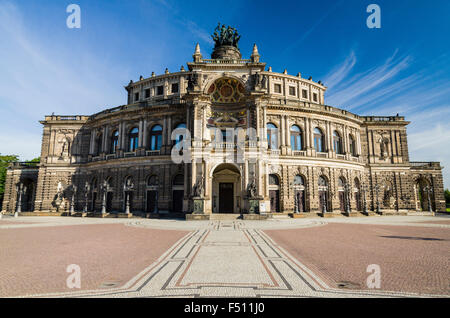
x,y
226,52
254,205
199,205
326,215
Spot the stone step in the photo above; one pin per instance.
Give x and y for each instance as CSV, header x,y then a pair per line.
x,y
280,216
225,216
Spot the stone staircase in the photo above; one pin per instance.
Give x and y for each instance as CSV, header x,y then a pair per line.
x,y
224,216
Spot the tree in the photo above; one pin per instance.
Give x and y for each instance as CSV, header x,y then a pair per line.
x,y
4,163
447,196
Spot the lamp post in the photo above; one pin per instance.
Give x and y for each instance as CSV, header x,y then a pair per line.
x,y
347,189
19,201
377,189
364,189
72,200
104,192
127,187
87,189
429,189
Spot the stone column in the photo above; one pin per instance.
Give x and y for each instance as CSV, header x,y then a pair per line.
x,y
140,133
164,132
104,139
288,130
144,134
265,123
258,118
329,138
120,143
169,130
358,142
92,146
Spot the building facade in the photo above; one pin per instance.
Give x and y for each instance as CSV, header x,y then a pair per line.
x,y
225,132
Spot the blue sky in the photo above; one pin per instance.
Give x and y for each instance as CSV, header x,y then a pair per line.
x,y
401,68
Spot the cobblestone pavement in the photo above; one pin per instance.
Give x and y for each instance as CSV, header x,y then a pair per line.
x,y
248,258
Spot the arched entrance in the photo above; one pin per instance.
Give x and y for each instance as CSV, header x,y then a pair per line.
x,y
226,189
323,194
152,194
274,193
177,193
357,193
423,195
299,192
342,194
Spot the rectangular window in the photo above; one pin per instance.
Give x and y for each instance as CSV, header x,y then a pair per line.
x,y
147,93
174,88
160,90
292,90
136,97
305,93
277,88
315,97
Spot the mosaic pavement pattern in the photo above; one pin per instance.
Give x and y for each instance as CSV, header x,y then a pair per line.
x,y
227,259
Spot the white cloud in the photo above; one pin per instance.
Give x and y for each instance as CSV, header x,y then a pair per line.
x,y
38,78
358,85
335,76
422,96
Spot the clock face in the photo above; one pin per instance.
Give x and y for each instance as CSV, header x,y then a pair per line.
x,y
226,90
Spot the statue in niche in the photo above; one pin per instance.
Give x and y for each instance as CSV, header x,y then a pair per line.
x,y
65,147
383,147
58,201
259,81
193,81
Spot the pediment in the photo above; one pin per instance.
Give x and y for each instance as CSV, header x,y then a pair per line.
x,y
226,172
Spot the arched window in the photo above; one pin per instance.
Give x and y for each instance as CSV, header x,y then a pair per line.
x,y
273,180
155,137
152,181
319,140
337,142
133,139
296,138
179,135
323,182
299,181
272,136
352,145
114,141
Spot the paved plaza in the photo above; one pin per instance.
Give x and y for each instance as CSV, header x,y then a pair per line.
x,y
311,257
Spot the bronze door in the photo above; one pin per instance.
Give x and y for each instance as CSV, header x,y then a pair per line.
x,y
151,201
301,201
109,197
177,198
342,200
226,197
322,201
274,200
